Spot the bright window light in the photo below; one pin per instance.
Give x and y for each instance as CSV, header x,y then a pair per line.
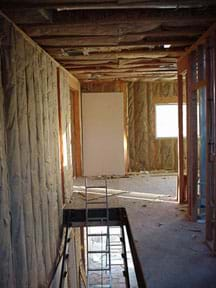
x,y
167,120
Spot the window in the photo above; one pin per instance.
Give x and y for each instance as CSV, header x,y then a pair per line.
x,y
167,120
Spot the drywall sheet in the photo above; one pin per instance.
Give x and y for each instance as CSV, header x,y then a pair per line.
x,y
103,134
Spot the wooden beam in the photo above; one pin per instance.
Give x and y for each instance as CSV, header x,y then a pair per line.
x,y
152,38
74,29
118,62
168,4
200,41
151,29
120,70
124,74
127,77
210,165
91,44
154,54
124,62
135,17
117,66
86,49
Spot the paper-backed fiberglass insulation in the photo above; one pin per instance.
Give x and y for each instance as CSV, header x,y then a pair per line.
x,y
146,151
30,175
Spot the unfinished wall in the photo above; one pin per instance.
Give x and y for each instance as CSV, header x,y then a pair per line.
x,y
146,152
102,86
7,273
66,120
30,176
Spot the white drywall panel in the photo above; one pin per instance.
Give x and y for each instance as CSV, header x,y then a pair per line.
x,y
103,134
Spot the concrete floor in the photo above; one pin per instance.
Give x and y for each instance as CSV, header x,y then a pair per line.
x,y
171,249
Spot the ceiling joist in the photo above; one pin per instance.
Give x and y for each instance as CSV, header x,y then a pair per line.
x,y
110,4
114,39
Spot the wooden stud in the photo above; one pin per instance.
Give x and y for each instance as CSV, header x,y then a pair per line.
x,y
76,145
180,186
191,144
60,134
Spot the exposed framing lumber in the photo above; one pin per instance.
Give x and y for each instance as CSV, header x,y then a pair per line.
x,y
127,76
60,134
184,64
211,138
107,41
181,180
154,54
93,66
112,35
169,4
104,44
192,144
92,48
202,40
208,231
115,29
76,133
121,62
121,70
151,30
136,17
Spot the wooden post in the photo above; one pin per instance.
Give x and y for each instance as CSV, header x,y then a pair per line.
x,y
60,134
192,143
76,143
181,186
209,164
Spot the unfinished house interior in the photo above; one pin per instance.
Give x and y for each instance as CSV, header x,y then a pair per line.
x,y
108,143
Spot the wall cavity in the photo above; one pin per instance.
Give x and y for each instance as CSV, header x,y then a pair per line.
x,y
146,152
30,170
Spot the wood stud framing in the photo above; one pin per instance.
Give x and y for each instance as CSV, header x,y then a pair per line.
x,y
94,39
199,64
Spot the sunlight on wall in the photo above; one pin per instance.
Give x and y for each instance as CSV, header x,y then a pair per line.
x,y
65,156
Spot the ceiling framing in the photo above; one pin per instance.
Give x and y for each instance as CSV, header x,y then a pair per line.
x,y
108,39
